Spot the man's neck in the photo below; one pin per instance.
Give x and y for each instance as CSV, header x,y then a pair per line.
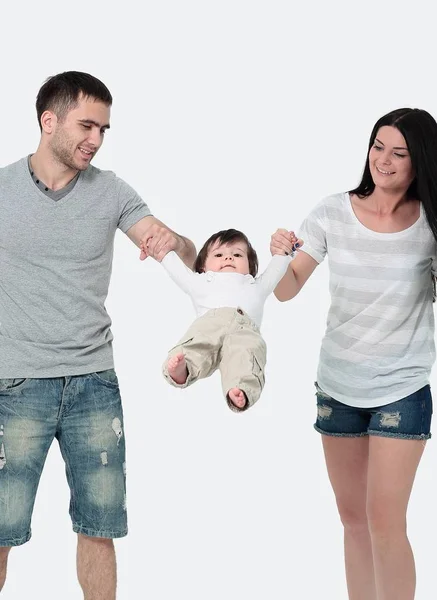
x,y
54,174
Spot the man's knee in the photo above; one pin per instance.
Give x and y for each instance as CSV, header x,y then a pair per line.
x,y
4,554
97,542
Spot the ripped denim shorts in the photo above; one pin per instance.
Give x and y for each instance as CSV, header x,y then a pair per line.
x,y
84,414
408,418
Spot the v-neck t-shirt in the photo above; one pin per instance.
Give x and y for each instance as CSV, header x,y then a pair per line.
x,y
55,268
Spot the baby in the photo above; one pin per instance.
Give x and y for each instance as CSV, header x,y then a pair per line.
x,y
229,299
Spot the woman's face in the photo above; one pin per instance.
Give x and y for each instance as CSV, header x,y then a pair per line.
x,y
389,160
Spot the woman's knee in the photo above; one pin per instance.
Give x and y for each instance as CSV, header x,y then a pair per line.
x,y
385,521
353,518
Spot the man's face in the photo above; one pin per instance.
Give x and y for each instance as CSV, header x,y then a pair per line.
x,y
76,139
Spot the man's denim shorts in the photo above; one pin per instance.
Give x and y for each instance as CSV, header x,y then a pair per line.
x,y
84,413
408,418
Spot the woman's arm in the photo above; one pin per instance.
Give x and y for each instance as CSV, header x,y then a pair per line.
x,y
297,274
299,270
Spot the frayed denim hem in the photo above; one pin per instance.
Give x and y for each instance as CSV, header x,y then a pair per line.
x,y
348,435
15,541
400,436
99,534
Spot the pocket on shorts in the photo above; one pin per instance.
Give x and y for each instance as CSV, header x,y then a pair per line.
x,y
181,344
320,393
258,369
179,347
107,377
12,385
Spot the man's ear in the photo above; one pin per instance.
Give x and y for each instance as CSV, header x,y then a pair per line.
x,y
48,121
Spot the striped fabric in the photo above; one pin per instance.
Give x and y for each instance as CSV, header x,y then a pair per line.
x,y
379,342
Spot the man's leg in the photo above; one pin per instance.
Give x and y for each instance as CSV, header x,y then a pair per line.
x,y
4,552
91,437
28,417
96,567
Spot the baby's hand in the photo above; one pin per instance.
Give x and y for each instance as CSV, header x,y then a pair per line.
x,y
158,241
144,253
284,242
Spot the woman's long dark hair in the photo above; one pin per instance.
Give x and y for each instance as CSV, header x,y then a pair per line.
x,y
419,129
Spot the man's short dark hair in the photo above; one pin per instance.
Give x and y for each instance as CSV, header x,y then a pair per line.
x,y
60,93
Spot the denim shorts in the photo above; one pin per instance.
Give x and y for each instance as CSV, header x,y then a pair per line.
x,y
84,413
408,418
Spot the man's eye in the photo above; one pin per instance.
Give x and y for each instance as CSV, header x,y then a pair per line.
x,y
85,126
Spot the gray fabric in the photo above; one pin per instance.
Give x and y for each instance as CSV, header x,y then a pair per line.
x,y
379,341
55,267
53,195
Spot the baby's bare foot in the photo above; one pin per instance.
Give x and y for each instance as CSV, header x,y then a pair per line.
x,y
237,397
177,368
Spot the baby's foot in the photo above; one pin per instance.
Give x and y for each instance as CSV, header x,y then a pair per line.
x,y
237,397
177,368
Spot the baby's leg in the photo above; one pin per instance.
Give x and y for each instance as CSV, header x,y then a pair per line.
x,y
177,368
242,366
237,397
196,354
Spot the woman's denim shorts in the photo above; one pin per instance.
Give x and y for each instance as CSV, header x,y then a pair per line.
x,y
408,418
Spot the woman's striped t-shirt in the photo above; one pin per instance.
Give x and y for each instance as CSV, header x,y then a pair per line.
x,y
379,342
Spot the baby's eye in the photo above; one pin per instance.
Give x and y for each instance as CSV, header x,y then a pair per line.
x,y
218,255
238,254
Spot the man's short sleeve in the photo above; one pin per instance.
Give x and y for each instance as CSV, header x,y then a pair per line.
x,y
313,233
132,206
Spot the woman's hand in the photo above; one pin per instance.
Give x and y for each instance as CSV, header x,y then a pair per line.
x,y
284,242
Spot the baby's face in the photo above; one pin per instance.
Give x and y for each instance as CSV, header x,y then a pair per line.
x,y
228,258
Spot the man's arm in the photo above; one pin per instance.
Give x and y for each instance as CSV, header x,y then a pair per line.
x,y
156,239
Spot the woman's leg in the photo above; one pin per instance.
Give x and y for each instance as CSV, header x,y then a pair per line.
x,y
392,469
347,461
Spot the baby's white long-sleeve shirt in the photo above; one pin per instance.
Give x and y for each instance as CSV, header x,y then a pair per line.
x,y
233,290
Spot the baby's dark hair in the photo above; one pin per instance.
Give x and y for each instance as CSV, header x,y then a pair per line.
x,y
227,236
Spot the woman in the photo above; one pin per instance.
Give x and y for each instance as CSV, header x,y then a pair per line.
x,y
373,396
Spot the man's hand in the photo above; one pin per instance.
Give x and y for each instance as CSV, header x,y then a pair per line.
x,y
158,241
284,242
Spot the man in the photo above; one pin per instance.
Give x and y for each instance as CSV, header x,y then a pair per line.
x,y
58,218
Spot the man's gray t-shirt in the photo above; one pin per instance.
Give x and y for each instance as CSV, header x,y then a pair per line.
x,y
55,267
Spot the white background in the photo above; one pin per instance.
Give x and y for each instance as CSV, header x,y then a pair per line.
x,y
226,114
